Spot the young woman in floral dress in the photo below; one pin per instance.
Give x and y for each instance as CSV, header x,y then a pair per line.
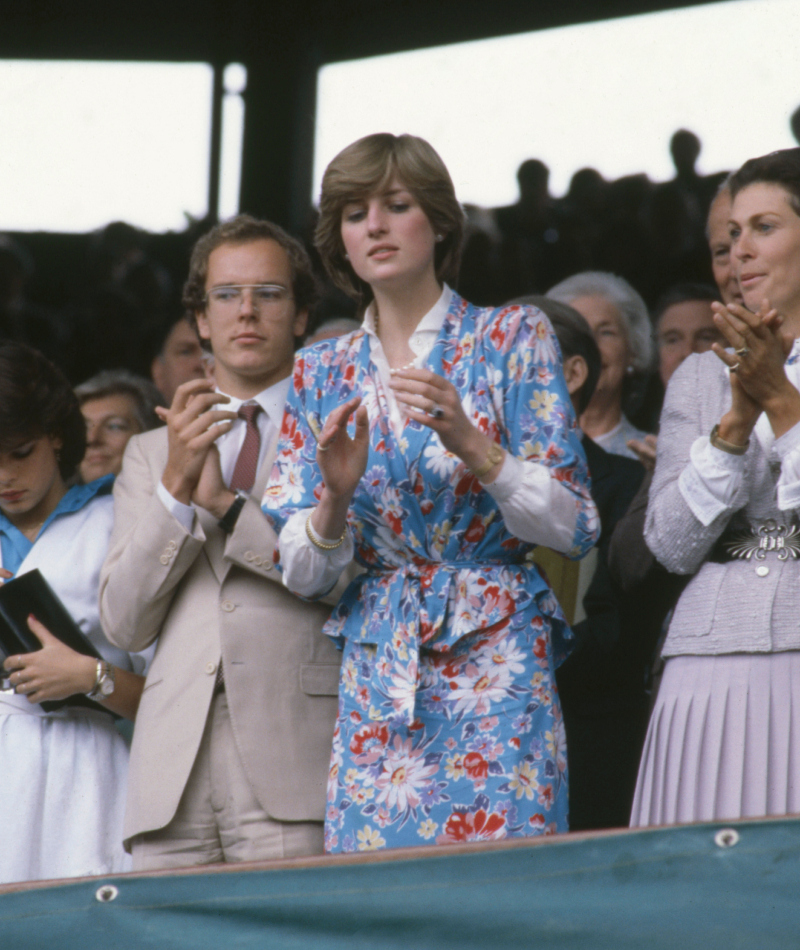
x,y
437,442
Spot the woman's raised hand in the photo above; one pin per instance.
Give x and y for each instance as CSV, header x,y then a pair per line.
x,y
758,379
433,401
342,460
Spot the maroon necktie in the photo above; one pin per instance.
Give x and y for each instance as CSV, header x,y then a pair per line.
x,y
244,474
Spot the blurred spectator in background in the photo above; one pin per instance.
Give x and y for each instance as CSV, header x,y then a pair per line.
x,y
534,248
179,358
678,216
20,320
619,321
479,277
115,404
794,124
624,244
128,296
338,326
684,324
121,262
583,209
719,242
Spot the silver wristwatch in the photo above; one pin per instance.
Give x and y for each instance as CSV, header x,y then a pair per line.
x,y
104,683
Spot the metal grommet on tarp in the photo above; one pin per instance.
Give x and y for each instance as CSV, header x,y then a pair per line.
x,y
106,893
726,838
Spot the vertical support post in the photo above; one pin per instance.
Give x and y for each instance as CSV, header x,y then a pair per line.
x,y
277,155
215,151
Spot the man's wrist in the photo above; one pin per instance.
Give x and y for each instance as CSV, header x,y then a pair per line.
x,y
231,515
222,503
177,486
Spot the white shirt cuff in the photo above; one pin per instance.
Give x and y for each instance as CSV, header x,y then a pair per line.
x,y
788,449
307,570
183,514
535,506
710,481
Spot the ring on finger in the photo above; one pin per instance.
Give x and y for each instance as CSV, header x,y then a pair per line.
x,y
322,448
735,367
436,412
742,351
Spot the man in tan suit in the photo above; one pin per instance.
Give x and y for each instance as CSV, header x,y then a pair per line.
x,y
232,742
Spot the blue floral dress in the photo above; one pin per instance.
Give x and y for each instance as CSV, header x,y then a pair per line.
x,y
449,727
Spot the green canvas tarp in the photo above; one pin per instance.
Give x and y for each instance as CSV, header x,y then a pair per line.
x,y
696,886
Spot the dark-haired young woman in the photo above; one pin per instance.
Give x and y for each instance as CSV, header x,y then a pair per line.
x,y
62,773
725,507
438,440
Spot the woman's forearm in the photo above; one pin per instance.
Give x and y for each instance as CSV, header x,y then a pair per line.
x,y
329,518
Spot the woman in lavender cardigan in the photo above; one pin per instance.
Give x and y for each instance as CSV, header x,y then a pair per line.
x,y
724,506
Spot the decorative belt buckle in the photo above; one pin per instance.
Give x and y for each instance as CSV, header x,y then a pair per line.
x,y
768,538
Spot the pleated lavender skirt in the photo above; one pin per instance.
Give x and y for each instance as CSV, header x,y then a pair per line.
x,y
722,741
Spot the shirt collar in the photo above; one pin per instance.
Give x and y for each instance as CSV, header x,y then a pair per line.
x,y
75,498
272,400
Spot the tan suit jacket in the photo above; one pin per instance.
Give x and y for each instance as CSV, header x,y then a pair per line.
x,y
209,596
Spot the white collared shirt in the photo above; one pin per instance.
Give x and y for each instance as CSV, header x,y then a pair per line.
x,y
272,401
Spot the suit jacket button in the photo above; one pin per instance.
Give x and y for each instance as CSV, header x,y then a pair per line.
x,y
249,556
228,606
164,559
762,570
211,668
172,546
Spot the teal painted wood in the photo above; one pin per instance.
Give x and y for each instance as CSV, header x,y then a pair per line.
x,y
675,889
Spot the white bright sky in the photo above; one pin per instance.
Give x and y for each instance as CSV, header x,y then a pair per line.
x,y
87,143
607,94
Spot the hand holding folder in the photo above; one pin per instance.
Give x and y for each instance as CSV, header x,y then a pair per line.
x,y
31,594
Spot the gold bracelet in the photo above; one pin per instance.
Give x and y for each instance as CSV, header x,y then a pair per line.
x,y
493,456
318,542
731,448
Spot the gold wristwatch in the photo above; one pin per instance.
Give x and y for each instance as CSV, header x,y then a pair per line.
x,y
493,456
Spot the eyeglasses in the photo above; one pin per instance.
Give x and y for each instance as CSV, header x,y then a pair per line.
x,y
230,296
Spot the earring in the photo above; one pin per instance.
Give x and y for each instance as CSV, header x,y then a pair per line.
x,y
440,237
629,370
347,257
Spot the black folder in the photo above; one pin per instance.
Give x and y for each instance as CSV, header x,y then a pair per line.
x,y
31,594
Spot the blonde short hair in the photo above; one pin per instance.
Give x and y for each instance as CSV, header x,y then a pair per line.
x,y
364,168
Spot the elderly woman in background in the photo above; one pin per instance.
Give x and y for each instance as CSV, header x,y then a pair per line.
x,y
461,457
116,404
621,326
724,505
